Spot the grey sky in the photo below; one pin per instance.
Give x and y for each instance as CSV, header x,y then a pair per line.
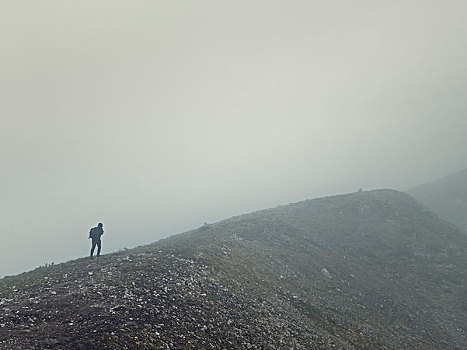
x,y
155,116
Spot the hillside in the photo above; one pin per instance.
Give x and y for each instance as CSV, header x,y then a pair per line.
x,y
369,270
446,197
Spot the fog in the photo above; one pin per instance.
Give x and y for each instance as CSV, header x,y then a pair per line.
x,y
154,117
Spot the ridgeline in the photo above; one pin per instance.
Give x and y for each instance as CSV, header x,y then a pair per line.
x,y
446,197
368,270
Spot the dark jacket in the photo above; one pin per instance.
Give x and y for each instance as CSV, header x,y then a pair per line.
x,y
96,233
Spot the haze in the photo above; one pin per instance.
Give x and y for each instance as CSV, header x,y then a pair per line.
x,y
154,117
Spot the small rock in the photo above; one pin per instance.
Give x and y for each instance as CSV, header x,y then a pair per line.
x,y
325,272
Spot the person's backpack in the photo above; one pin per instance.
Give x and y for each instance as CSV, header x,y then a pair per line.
x,y
94,233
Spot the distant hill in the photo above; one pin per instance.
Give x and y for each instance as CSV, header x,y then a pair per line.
x,y
446,197
368,270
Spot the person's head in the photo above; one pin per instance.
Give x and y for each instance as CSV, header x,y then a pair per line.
x,y
100,224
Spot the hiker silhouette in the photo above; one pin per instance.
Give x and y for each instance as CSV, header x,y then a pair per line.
x,y
95,235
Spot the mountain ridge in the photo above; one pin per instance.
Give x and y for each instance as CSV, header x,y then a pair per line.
x,y
446,197
367,270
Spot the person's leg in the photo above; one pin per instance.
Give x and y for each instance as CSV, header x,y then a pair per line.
x,y
93,247
98,247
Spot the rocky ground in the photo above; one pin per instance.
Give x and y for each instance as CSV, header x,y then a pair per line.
x,y
372,270
144,300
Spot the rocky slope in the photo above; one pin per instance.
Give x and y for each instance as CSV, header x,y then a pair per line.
x,y
446,197
370,270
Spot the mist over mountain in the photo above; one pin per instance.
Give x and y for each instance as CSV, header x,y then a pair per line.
x,y
367,270
446,197
155,116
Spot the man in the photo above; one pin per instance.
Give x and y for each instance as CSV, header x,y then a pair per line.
x,y
95,235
